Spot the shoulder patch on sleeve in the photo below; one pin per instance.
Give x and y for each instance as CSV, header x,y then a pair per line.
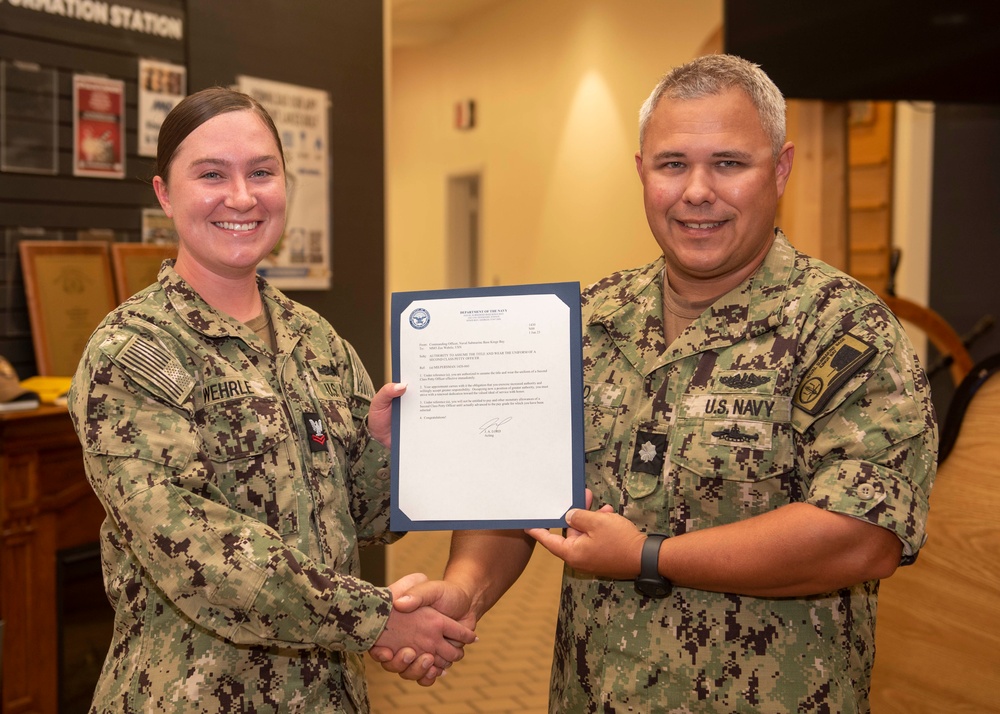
x,y
838,363
363,386
150,359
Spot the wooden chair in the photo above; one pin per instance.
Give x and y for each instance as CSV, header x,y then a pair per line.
x,y
942,335
938,633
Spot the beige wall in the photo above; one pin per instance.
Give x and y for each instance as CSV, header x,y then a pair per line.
x,y
557,86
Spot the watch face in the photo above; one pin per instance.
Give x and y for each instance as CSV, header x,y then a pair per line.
x,y
650,583
653,587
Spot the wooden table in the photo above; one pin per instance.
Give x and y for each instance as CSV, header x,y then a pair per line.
x,y
46,505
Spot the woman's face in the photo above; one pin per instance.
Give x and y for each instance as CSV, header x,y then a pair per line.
x,y
226,195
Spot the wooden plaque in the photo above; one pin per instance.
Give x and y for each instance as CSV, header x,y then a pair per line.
x,y
69,291
136,265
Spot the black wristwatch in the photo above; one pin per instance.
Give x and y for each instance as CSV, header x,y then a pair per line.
x,y
650,582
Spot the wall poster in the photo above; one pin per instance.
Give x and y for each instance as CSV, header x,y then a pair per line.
x,y
29,118
161,87
98,127
158,227
301,260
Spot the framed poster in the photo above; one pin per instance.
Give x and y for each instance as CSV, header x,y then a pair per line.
x,y
157,227
70,290
136,265
161,88
98,127
301,260
29,118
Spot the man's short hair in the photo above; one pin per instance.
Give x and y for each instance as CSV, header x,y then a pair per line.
x,y
713,74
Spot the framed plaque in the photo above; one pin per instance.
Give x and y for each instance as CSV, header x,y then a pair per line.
x,y
136,265
69,289
29,118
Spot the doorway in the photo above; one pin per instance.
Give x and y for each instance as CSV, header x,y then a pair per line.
x,y
462,259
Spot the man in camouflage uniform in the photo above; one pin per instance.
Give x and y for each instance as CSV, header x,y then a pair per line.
x,y
761,410
720,427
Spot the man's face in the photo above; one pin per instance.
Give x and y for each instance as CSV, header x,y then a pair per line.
x,y
711,188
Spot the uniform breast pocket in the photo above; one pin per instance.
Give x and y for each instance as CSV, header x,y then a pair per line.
x,y
598,424
737,466
602,451
737,450
339,424
243,438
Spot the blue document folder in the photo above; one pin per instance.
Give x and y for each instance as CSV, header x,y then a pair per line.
x,y
489,433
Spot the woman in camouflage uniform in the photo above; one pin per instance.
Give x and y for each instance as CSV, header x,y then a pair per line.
x,y
226,431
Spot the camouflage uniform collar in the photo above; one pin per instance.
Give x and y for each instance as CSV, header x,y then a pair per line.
x,y
769,283
201,317
630,310
633,314
756,306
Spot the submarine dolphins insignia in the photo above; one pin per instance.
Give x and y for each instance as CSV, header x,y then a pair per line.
x,y
744,381
733,433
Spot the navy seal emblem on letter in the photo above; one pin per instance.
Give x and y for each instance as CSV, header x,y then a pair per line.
x,y
419,318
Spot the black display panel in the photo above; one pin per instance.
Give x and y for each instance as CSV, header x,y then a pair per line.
x,y
930,50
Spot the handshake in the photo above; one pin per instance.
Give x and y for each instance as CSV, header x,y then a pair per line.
x,y
428,628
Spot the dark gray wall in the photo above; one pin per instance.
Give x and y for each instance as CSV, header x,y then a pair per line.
x,y
965,228
334,45
59,206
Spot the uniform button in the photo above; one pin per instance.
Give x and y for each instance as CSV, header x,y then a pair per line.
x,y
866,491
382,473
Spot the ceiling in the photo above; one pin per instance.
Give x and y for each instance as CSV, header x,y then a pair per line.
x,y
424,22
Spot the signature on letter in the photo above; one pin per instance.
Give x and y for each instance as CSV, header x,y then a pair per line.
x,y
493,426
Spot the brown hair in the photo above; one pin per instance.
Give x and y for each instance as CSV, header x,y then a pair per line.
x,y
196,109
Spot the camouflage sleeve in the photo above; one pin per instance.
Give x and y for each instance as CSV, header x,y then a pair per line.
x,y
227,571
370,489
872,448
369,483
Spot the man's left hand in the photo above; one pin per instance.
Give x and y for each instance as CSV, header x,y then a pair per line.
x,y
598,542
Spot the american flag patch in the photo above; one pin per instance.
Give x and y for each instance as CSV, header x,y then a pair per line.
x,y
152,360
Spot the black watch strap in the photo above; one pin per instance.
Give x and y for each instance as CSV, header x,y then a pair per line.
x,y
650,582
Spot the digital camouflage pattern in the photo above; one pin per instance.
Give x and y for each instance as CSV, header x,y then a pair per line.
x,y
238,485
714,429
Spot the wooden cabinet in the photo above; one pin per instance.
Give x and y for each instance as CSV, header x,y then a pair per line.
x,y
870,140
46,505
838,204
